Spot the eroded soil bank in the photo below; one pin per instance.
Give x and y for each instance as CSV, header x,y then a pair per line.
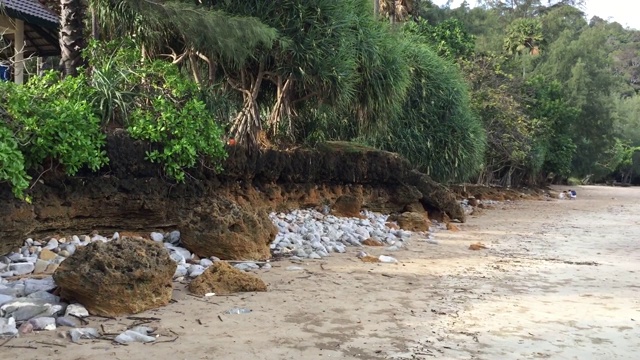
x,y
559,280
218,214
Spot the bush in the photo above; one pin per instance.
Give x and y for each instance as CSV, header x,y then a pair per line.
x,y
436,131
49,119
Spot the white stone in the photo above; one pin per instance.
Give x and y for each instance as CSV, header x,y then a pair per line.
x,y
206,262
77,310
52,244
196,270
22,268
156,236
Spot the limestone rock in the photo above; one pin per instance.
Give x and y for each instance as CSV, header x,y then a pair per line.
x,y
228,231
413,221
347,206
124,276
222,278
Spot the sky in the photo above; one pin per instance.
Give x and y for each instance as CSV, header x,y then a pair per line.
x,y
622,11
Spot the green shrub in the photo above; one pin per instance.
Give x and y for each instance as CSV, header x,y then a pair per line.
x,y
12,163
50,119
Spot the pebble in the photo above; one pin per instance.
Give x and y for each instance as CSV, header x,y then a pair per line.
x,y
206,262
387,259
76,310
8,327
83,333
196,270
52,244
67,321
246,266
21,268
156,236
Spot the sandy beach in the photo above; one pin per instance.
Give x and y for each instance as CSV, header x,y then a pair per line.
x,y
558,280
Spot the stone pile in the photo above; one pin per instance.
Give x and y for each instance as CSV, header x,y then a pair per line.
x,y
29,301
309,234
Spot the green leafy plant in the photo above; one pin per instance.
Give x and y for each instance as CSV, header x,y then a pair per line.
x,y
183,132
12,163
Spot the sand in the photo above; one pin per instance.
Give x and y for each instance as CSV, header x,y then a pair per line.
x,y
558,280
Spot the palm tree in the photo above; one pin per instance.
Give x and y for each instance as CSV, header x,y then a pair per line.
x,y
72,40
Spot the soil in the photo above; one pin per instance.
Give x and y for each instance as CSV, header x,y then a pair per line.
x,y
558,280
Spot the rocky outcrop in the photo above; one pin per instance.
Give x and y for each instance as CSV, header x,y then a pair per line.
x,y
124,276
413,221
220,214
222,279
228,231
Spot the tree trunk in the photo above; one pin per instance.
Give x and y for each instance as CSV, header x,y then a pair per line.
x,y
282,108
72,40
247,124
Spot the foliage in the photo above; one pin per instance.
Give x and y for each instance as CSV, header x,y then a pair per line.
x,y
12,168
449,38
161,106
52,119
437,131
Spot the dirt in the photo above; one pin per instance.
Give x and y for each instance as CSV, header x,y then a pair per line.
x,y
558,280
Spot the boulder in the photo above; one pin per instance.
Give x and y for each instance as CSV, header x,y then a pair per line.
x,y
228,231
413,221
222,278
124,276
347,206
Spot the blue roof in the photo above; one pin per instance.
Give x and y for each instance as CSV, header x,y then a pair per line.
x,y
31,11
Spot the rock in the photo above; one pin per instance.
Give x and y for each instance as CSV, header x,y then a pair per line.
x,y
229,231
21,268
40,266
181,271
43,323
387,259
116,236
47,255
120,277
52,244
313,255
196,270
67,321
266,266
174,237
452,227
372,242
369,259
33,285
413,221
206,262
156,236
45,296
23,309
5,299
131,336
477,246
8,328
221,278
76,310
52,268
83,333
64,253
347,206
25,328
15,257
246,266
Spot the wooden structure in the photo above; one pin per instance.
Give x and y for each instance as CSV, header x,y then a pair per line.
x,y
32,30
